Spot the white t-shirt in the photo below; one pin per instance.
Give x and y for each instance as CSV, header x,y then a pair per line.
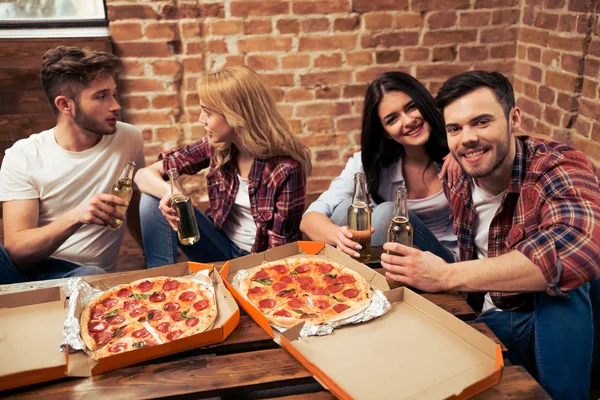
x,y
240,227
39,168
486,206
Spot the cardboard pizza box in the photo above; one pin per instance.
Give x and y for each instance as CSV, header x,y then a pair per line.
x,y
30,333
228,318
415,351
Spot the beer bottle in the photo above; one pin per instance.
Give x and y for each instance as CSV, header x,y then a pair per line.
x,y
400,229
122,188
359,217
187,227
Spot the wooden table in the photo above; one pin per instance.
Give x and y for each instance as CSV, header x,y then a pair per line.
x,y
248,364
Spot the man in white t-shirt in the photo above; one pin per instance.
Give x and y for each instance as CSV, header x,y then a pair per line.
x,y
527,217
55,185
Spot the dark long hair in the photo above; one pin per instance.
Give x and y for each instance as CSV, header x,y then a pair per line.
x,y
378,150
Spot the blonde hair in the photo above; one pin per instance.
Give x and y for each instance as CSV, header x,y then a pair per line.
x,y
240,95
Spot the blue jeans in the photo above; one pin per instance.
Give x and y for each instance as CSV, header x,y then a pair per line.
x,y
380,219
160,240
52,268
554,341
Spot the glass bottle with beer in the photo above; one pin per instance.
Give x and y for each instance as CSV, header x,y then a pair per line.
x,y
359,217
123,189
187,227
400,230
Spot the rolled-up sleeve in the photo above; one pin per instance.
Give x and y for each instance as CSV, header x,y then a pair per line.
x,y
189,159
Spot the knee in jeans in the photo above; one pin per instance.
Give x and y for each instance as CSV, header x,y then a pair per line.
x,y
90,270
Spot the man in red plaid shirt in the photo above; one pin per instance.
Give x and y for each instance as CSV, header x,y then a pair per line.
x,y
527,216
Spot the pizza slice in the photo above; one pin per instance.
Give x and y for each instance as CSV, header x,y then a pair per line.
x,y
131,337
294,311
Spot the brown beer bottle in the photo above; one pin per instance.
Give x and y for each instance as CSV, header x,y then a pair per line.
x,y
187,227
400,229
123,189
359,217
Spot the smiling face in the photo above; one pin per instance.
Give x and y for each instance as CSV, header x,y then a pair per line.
x,y
97,110
216,126
402,120
479,135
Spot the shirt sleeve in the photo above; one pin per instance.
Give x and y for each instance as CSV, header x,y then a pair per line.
x,y
15,184
566,246
341,188
289,206
189,159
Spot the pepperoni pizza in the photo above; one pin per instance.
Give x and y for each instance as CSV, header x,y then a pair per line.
x,y
305,289
145,313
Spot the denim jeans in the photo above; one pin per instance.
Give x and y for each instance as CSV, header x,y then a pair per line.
x,y
160,240
52,268
380,219
555,341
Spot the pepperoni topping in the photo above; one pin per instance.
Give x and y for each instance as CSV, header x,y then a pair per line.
x,y
286,279
351,293
318,291
142,333
156,315
278,286
117,347
287,295
97,326
308,316
174,335
170,285
307,287
325,268
261,275
346,279
338,308
176,317
138,311
296,303
304,279
201,305
101,338
97,313
158,297
131,304
302,268
322,304
336,287
282,269
282,313
192,322
163,327
267,303
257,290
126,292
171,307
145,286
116,320
329,280
187,296
110,302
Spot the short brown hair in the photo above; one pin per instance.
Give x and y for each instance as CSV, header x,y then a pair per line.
x,y
66,71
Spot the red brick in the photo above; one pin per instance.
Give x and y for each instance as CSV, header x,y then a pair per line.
x,y
389,39
286,110
190,30
443,71
313,141
546,21
594,48
567,23
262,62
147,134
449,37
474,18
590,109
550,57
570,63
165,101
256,27
583,23
258,8
276,43
189,83
168,11
527,124
378,21
348,124
472,53
561,81
415,54
161,30
590,88
351,91
530,90
582,127
278,79
364,6
444,53
533,36
212,10
596,133
193,64
495,35
359,58
370,74
277,94
506,16
329,42
327,155
521,52
546,94
216,46
534,54
346,24
121,32
530,107
322,109
319,125
295,61
567,44
590,148
518,85
171,133
314,25
325,78
135,102
321,7
131,12
288,26
505,67
554,4
387,56
315,185
233,61
192,100
226,27
528,15
566,102
327,170
193,48
496,3
408,20
297,95
428,5
296,125
528,71
166,67
579,5
328,61
133,68
142,49
441,19
504,51
148,118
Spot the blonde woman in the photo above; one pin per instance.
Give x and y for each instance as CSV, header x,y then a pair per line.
x,y
256,178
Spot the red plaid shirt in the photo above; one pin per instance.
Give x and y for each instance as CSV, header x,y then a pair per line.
x,y
276,186
550,213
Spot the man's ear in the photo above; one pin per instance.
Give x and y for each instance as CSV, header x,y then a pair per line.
x,y
515,119
65,105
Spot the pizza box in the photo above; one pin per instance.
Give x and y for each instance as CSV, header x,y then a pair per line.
x,y
30,332
415,351
228,318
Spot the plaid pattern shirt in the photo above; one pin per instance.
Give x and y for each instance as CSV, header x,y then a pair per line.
x,y
276,186
550,213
